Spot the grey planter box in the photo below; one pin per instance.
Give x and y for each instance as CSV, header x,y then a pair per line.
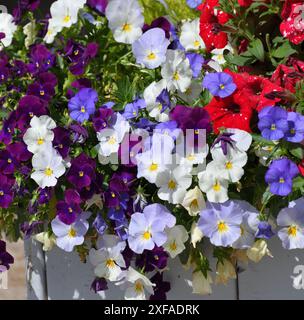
x,y
58,275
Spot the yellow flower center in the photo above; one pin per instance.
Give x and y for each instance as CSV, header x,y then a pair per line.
x,y
1,193
196,43
40,141
147,235
42,92
112,140
9,160
67,19
70,210
176,76
110,263
138,286
83,110
292,131
292,231
229,165
72,233
172,184
113,195
191,157
222,227
81,174
31,114
196,131
217,187
173,246
76,52
151,56
282,180
194,204
153,167
273,127
222,86
127,27
48,172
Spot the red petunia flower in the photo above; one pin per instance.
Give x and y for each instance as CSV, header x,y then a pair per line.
x,y
292,26
232,112
301,168
287,77
211,22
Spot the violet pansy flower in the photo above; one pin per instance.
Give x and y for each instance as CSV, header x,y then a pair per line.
x,y
150,49
69,209
295,131
82,105
273,123
147,229
221,222
280,175
219,84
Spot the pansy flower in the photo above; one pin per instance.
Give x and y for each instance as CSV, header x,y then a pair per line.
x,y
69,209
6,192
5,258
219,84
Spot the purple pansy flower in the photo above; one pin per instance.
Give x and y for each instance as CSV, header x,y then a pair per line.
x,y
82,172
103,118
30,228
295,131
196,63
44,196
264,230
24,6
7,162
29,106
5,258
98,5
220,84
41,59
280,175
62,141
152,259
224,139
132,109
79,133
164,100
273,123
221,222
19,152
146,230
69,209
82,105
161,287
99,284
44,87
191,118
150,49
161,23
170,128
6,193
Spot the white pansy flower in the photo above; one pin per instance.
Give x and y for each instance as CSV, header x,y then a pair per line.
x,y
176,237
151,166
8,27
229,167
215,186
176,71
110,138
137,285
40,135
154,106
108,259
194,201
48,166
258,251
174,183
125,20
64,14
52,31
190,37
192,93
218,54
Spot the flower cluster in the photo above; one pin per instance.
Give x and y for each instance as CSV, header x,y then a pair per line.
x,y
132,140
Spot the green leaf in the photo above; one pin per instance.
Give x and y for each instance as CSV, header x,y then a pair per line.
x,y
298,184
256,48
240,60
283,51
297,152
